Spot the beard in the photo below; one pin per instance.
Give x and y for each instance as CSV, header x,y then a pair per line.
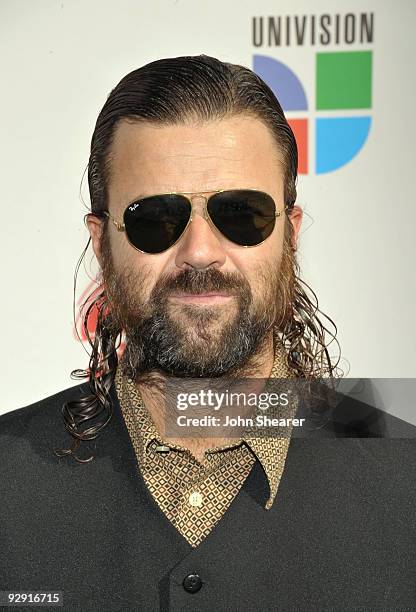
x,y
191,340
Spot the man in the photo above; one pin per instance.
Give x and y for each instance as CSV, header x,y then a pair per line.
x,y
192,178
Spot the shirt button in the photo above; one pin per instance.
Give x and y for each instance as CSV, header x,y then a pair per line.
x,y
195,499
192,583
162,448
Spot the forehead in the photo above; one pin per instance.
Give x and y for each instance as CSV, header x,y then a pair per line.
x,y
229,153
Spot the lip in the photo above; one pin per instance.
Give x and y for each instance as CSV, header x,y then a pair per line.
x,y
201,297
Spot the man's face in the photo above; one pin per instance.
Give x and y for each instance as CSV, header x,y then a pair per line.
x,y
206,305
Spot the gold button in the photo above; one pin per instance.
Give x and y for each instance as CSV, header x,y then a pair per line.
x,y
162,448
195,499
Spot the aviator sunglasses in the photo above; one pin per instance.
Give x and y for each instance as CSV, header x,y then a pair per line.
x,y
155,223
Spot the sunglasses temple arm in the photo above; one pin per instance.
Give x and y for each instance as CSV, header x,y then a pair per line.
x,y
119,226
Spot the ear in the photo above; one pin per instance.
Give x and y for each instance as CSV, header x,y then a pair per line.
x,y
295,217
95,228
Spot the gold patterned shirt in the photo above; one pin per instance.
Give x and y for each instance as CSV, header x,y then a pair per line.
x,y
194,495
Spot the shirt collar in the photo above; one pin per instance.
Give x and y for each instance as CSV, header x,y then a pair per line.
x,y
270,451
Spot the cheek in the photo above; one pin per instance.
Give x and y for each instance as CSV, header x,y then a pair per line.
x,y
254,260
139,270
120,249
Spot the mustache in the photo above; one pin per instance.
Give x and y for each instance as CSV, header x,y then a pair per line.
x,y
193,282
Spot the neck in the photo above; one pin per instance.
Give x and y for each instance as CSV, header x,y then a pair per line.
x,y
259,366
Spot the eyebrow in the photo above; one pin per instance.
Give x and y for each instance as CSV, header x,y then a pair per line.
x,y
138,197
144,195
211,191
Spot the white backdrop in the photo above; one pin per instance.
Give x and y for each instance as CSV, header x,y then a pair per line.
x,y
60,59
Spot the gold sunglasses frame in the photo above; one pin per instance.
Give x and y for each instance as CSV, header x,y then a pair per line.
x,y
120,226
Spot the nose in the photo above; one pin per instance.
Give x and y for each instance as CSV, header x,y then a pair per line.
x,y
200,246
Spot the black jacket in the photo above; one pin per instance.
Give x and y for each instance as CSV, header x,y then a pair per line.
x,y
340,534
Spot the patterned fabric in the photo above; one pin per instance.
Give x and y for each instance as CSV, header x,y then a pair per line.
x,y
194,495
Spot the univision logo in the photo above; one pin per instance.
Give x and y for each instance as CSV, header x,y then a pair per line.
x,y
343,84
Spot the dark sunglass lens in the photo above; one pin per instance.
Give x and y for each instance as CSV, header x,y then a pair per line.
x,y
246,217
155,223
